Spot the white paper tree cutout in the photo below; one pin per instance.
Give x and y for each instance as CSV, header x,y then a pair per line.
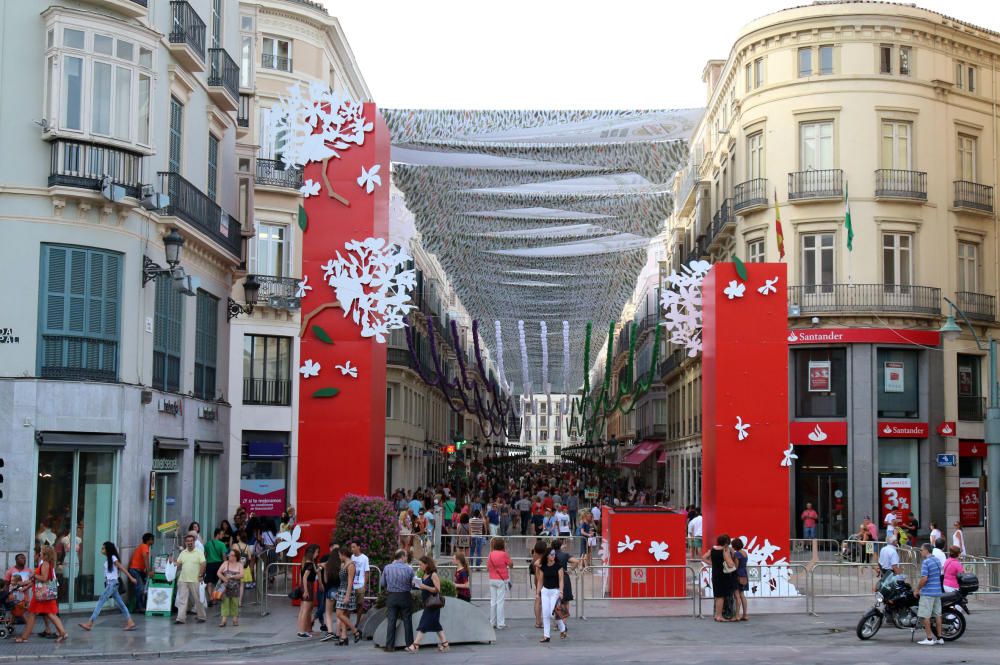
x,y
309,368
627,544
741,429
660,551
769,287
735,289
302,287
347,370
370,179
372,285
789,455
682,306
770,576
288,542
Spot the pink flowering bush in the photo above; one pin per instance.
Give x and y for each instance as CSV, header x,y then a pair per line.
x,y
372,520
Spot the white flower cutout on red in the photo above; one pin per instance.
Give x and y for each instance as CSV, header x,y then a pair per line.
x,y
627,544
302,287
660,551
789,456
370,179
346,369
288,542
309,188
769,287
735,289
309,368
741,429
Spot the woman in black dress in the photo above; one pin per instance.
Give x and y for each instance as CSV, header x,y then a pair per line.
x,y
430,620
720,556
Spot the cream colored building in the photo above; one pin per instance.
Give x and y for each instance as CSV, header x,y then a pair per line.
x,y
898,104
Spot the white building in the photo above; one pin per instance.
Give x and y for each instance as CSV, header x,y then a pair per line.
x,y
545,426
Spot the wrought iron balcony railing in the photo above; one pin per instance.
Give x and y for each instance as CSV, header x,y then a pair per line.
x,y
223,71
270,286
85,165
974,196
898,184
190,204
279,62
818,298
722,218
971,407
750,194
980,306
273,172
187,27
822,184
78,358
267,392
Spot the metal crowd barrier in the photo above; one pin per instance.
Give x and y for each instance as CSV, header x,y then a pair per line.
x,y
518,547
280,578
659,585
849,580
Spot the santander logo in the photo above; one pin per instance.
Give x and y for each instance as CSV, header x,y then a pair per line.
x,y
946,429
903,430
817,435
887,430
792,337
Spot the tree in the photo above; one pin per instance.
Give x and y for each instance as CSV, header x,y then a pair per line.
x,y
372,521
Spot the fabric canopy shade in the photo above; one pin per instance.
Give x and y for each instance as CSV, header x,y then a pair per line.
x,y
638,455
662,459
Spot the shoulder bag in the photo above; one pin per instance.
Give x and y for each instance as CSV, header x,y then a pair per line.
x,y
434,601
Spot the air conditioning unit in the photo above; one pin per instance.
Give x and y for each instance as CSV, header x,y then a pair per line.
x,y
794,310
187,284
111,191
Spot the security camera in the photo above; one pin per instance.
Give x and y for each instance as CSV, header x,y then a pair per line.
x,y
815,320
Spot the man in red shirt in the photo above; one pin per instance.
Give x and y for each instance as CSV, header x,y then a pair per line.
x,y
809,518
537,515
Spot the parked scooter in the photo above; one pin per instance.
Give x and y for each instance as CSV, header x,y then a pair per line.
x,y
895,602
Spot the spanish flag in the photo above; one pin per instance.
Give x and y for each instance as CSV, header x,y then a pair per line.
x,y
777,228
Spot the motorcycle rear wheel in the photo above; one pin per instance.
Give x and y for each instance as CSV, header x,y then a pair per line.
x,y
869,625
952,625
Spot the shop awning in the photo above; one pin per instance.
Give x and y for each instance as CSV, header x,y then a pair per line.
x,y
638,455
80,439
169,443
662,459
210,447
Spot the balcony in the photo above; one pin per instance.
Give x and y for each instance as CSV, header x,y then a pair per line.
x,y
273,173
243,112
201,213
750,195
267,392
187,36
978,306
723,223
842,298
973,196
699,250
816,185
279,62
672,362
971,407
128,8
399,358
85,165
78,358
901,185
223,80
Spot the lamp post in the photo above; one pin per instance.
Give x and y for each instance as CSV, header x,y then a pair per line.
x,y
251,289
992,426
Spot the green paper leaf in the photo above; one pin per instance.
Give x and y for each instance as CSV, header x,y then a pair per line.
x,y
326,392
303,220
741,269
321,335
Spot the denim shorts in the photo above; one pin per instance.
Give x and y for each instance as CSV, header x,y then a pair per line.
x,y
331,594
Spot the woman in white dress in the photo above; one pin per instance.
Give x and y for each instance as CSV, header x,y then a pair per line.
x,y
958,538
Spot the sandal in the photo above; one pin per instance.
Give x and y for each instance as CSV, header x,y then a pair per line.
x,y
62,638
544,640
444,646
413,648
20,640
563,635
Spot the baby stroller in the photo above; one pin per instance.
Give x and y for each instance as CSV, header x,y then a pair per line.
x,y
11,610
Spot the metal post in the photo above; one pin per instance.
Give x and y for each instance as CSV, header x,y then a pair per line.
x,y
993,457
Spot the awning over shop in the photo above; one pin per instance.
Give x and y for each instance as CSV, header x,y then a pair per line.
x,y
80,439
638,455
170,443
662,459
210,447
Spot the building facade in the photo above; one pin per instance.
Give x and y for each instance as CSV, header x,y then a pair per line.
x,y
888,108
545,427
114,389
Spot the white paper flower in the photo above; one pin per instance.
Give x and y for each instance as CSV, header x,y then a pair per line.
x,y
682,305
288,542
346,369
309,188
769,287
627,544
735,289
309,368
370,179
659,550
741,429
318,124
789,455
302,287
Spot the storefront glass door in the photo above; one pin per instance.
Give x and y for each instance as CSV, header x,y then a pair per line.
x,y
821,479
74,505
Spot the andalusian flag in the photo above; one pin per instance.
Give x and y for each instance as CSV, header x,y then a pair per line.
x,y
777,227
847,220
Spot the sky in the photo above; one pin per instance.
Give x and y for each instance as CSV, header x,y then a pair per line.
x,y
557,54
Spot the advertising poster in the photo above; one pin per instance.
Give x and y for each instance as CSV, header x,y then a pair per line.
x,y
896,495
968,499
894,377
263,497
965,381
819,376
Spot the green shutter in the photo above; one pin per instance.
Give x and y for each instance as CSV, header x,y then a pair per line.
x,y
168,317
206,345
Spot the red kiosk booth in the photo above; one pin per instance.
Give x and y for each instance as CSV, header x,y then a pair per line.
x,y
649,542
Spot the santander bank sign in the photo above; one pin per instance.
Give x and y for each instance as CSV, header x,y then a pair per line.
x,y
903,430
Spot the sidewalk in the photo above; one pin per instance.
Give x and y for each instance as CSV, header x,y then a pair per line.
x,y
159,636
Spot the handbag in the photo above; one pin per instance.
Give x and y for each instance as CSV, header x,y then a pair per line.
x,y
296,593
218,591
434,601
45,591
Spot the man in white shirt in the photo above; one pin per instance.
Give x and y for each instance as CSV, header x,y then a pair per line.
x,y
939,553
361,576
562,522
694,535
890,523
888,558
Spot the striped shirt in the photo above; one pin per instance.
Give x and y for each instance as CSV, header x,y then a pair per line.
x,y
476,526
931,569
397,577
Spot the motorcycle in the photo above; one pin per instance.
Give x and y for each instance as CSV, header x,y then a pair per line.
x,y
895,602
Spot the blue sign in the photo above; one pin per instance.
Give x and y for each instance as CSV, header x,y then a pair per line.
x,y
947,459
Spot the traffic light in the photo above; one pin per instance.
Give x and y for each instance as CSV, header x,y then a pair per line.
x,y
459,444
450,449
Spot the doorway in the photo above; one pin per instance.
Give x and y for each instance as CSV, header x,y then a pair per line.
x,y
821,479
75,510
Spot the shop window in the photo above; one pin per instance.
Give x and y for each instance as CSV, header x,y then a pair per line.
x,y
820,383
898,395
899,480
264,472
970,400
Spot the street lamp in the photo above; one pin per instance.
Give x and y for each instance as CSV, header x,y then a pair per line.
x,y
172,244
251,289
950,329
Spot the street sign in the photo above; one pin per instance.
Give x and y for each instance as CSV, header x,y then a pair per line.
x,y
947,459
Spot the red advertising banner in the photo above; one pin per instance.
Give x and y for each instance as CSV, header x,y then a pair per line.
x,y
263,498
819,376
903,430
863,336
969,508
896,495
812,433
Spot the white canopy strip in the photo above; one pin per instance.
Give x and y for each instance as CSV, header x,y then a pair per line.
x,y
525,375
